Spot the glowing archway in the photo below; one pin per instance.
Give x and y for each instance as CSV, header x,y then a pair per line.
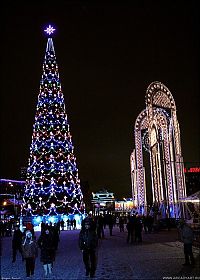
x,y
157,131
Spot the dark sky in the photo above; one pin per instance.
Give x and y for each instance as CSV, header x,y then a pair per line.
x,y
107,55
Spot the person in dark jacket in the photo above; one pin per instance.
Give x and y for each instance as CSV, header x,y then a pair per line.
x,y
100,229
29,252
110,223
138,229
130,228
16,243
121,224
187,237
47,257
88,242
62,224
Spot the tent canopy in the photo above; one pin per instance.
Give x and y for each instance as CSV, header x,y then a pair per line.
x,y
194,198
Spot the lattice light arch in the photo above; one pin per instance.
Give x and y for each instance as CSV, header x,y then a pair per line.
x,y
159,119
139,191
141,121
158,94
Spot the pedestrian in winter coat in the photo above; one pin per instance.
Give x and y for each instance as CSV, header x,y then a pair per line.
x,y
62,224
55,235
100,229
117,221
130,226
187,237
88,242
16,243
138,229
110,224
29,252
47,257
121,224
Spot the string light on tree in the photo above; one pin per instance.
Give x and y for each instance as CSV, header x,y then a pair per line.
x,y
52,173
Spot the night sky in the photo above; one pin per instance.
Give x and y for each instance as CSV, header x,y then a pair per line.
x,y
107,55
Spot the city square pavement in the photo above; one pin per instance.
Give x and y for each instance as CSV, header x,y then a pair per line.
x,y
160,256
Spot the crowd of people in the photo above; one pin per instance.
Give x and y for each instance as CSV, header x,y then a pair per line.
x,y
92,229
26,244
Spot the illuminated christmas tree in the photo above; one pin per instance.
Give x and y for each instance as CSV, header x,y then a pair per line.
x,y
52,182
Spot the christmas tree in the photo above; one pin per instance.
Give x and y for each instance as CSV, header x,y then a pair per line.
x,y
52,182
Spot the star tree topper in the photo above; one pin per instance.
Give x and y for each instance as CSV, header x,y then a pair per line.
x,y
50,30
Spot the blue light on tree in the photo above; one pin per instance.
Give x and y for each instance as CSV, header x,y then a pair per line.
x,y
52,184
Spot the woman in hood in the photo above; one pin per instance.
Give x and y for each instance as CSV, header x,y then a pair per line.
x,y
29,252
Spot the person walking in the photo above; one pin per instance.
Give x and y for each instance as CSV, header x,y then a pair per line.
x,y
110,223
130,230
121,224
138,229
100,228
55,235
145,223
17,243
68,224
29,252
62,224
88,242
187,237
46,245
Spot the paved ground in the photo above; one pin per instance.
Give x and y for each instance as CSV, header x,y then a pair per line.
x,y
160,256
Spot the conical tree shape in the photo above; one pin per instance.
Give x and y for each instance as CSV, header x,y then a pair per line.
x,y
52,184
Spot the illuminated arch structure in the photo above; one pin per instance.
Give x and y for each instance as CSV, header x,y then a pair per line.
x,y
157,131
